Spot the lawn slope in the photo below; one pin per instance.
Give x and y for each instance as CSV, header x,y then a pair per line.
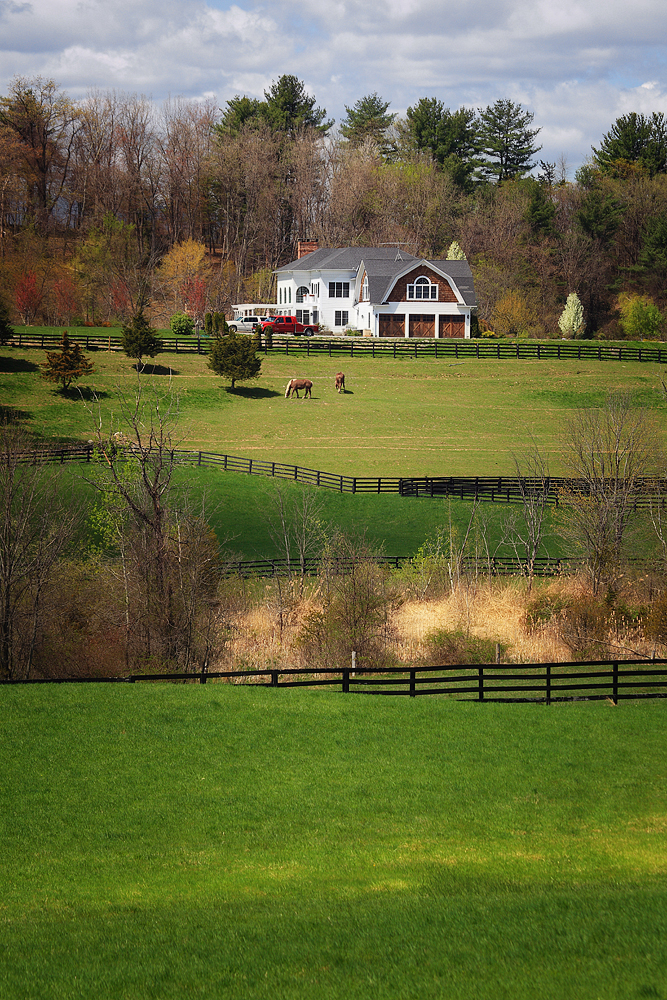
x,y
217,841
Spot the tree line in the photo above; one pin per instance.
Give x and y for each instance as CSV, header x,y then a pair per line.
x,y
111,204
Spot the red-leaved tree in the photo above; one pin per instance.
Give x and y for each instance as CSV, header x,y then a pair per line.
x,y
28,296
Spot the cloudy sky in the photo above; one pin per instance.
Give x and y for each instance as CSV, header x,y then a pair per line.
x,y
577,64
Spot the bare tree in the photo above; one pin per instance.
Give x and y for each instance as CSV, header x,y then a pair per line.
x,y
608,450
37,521
170,555
532,471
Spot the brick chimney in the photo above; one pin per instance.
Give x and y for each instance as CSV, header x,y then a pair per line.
x,y
305,247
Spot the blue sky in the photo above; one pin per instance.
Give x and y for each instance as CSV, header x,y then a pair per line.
x,y
577,64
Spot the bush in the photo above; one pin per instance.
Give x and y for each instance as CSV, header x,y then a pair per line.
x,y
6,330
455,647
181,325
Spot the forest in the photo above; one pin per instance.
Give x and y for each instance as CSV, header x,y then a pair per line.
x,y
112,204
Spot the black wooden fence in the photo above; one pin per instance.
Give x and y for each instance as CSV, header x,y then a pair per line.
x,y
591,680
374,347
644,490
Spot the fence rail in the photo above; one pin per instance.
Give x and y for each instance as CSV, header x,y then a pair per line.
x,y
374,347
644,491
590,680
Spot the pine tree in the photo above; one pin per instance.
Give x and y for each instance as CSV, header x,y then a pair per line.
x,y
66,365
571,322
367,119
138,339
507,140
634,139
234,357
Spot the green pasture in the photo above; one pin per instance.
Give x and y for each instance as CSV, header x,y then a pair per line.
x,y
214,841
398,417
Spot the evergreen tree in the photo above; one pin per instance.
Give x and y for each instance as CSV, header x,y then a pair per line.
x,y
289,109
66,365
507,140
450,137
367,119
571,322
138,339
634,139
234,357
6,329
541,210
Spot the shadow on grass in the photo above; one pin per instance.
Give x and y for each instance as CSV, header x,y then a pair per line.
x,y
11,415
252,392
9,364
155,370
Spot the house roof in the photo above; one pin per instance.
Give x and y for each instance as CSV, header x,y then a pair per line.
x,y
382,265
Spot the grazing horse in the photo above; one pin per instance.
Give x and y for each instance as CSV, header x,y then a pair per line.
x,y
340,382
295,384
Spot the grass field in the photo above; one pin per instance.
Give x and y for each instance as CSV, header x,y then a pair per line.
x,y
170,842
397,418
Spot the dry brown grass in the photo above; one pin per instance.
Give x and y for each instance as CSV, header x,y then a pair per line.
x,y
266,635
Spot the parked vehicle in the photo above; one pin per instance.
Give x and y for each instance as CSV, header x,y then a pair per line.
x,y
244,324
290,324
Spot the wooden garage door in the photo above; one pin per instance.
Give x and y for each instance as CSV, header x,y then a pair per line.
x,y
452,326
422,326
392,326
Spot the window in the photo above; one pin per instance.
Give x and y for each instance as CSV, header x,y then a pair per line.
x,y
364,290
339,289
422,289
315,288
290,293
301,292
280,296
303,316
341,317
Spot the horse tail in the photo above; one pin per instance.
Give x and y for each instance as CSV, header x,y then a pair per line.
x,y
289,386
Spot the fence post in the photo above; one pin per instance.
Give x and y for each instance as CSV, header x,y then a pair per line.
x,y
346,681
354,662
614,697
202,677
413,690
274,678
548,683
480,674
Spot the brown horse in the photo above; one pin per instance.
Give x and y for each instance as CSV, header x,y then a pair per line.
x,y
295,384
340,382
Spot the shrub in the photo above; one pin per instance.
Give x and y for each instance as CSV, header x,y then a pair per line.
x,y
181,325
208,324
6,330
446,647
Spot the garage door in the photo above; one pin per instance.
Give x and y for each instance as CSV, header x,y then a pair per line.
x,y
422,326
452,326
392,326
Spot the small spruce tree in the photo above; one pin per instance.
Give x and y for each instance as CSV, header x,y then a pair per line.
x,y
208,324
233,356
571,320
66,365
138,339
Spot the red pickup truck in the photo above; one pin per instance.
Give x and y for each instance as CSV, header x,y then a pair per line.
x,y
289,324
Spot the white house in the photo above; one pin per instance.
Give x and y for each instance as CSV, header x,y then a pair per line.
x,y
381,289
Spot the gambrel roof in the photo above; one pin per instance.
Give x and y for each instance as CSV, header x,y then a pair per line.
x,y
383,265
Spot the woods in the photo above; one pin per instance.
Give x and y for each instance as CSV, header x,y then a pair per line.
x,y
111,203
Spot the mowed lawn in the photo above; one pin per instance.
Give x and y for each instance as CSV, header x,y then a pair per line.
x,y
398,417
216,841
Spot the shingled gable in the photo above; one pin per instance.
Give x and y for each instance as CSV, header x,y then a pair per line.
x,y
331,283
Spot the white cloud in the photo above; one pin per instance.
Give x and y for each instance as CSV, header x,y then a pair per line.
x,y
577,64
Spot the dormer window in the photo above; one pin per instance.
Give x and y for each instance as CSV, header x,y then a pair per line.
x,y
423,289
